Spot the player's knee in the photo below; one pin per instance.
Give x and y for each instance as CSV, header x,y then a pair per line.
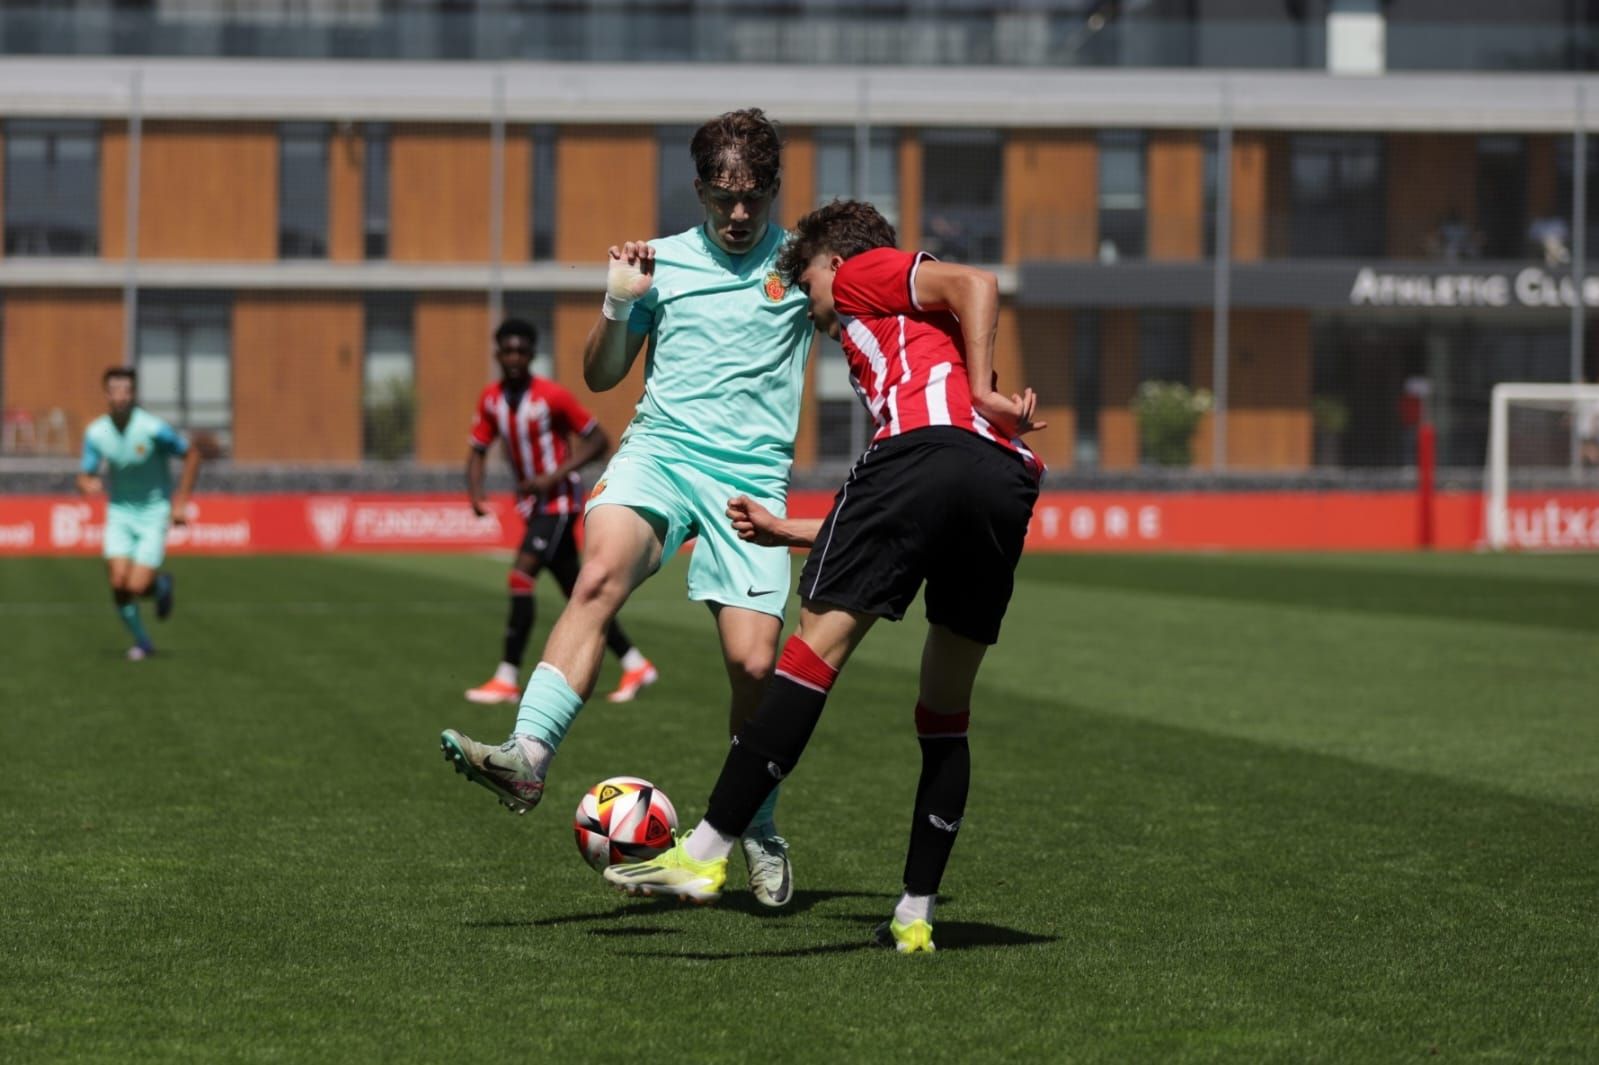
x,y
599,583
751,668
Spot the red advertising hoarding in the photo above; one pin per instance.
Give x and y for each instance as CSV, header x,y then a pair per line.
x,y
1062,521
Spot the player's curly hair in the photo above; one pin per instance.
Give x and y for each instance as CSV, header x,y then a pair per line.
x,y
737,143
517,327
844,228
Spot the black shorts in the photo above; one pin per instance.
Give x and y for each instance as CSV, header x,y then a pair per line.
x,y
940,505
551,538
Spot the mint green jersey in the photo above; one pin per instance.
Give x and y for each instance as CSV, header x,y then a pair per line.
x,y
135,458
729,341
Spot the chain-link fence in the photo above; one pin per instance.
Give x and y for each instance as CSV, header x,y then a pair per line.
x,y
1212,298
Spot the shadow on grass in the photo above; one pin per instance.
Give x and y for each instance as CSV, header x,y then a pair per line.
x,y
948,935
740,902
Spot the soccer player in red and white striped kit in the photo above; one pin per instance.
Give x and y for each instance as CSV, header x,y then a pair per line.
x,y
536,420
943,496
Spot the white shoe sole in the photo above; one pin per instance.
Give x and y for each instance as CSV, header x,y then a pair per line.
x,y
485,699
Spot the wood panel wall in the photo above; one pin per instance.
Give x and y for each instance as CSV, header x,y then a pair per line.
x,y
1051,185
910,189
799,175
347,194
516,214
574,315
1251,219
1430,176
1034,350
1268,386
297,376
208,190
56,346
605,191
451,332
1543,196
439,193
1279,192
1175,195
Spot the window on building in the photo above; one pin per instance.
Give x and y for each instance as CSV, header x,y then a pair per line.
x,y
844,172
1164,346
1336,196
303,190
185,360
1565,202
1121,195
543,212
1502,196
962,200
375,192
388,380
52,188
678,208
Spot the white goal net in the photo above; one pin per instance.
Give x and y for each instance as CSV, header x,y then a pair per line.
x,y
1543,467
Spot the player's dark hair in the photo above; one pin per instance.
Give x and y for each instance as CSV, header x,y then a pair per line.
x,y
119,371
738,143
517,327
844,228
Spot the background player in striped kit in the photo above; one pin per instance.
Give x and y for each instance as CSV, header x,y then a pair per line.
x,y
536,421
943,495
728,342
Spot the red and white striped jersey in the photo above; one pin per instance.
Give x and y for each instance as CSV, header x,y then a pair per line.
x,y
907,364
535,435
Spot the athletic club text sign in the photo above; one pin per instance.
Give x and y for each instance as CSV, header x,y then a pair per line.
x,y
1531,286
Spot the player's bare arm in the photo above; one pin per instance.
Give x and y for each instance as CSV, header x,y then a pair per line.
x,y
90,485
758,525
591,447
611,347
200,446
973,296
476,461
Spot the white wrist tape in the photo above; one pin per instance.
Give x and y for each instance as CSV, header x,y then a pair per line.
x,y
617,310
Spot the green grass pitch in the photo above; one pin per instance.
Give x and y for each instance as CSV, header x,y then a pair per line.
x,y
1244,808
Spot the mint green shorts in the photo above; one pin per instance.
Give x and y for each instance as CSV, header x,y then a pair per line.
x,y
690,499
137,531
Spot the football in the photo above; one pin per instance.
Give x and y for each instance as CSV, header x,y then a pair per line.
x,y
623,819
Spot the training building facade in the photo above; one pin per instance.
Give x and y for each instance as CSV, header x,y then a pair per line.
x,y
307,255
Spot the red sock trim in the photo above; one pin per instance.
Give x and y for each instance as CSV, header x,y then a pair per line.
x,y
519,583
802,665
930,724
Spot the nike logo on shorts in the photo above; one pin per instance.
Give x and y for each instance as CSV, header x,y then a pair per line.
x,y
753,594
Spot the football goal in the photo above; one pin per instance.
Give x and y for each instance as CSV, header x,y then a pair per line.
x,y
1543,466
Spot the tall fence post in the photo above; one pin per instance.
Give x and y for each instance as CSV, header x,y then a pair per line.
x,y
130,272
1579,258
1222,271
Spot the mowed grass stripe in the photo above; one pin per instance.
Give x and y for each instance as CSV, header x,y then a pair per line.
x,y
1497,594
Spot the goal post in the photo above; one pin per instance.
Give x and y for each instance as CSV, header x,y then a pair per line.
x,y
1536,439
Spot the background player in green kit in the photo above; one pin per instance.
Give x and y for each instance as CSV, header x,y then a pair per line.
x,y
728,342
133,446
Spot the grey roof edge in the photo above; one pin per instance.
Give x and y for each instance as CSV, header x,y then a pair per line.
x,y
602,93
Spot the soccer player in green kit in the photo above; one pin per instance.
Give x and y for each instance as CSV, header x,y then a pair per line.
x,y
134,446
728,343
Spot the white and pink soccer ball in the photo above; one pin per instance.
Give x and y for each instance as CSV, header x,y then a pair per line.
x,y
623,819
